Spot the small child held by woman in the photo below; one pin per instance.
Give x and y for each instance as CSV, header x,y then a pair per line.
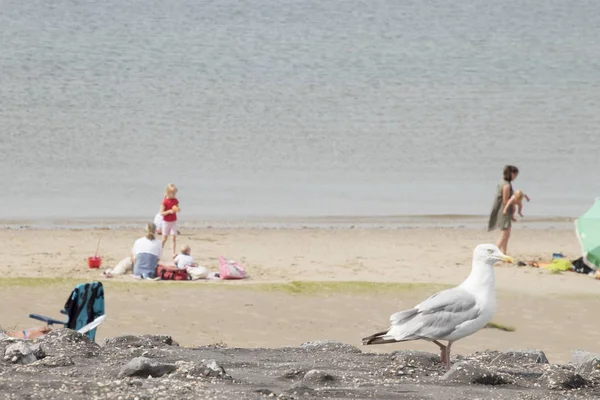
x,y
516,200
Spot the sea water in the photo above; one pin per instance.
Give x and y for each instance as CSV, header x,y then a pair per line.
x,y
273,110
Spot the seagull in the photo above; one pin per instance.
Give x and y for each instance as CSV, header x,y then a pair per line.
x,y
451,314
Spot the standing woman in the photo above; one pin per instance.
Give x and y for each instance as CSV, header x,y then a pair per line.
x,y
498,219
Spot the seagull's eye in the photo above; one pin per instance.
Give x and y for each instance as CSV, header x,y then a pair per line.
x,y
490,251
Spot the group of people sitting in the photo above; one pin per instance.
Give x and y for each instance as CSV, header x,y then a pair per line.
x,y
145,258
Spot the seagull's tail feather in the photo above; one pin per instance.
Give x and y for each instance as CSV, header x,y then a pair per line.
x,y
397,320
403,316
377,338
380,338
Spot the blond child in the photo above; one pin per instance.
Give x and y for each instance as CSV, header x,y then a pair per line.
x,y
516,200
184,259
169,209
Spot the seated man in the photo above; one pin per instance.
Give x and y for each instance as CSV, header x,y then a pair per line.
x,y
26,334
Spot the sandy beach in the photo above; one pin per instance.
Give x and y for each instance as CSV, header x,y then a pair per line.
x,y
554,312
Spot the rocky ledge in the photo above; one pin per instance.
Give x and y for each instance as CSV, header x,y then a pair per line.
x,y
66,365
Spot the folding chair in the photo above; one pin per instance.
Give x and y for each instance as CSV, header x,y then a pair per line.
x,y
84,310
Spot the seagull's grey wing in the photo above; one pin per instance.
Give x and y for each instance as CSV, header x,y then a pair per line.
x,y
436,317
455,300
444,311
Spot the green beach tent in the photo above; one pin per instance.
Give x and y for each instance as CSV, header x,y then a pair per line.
x,y
588,232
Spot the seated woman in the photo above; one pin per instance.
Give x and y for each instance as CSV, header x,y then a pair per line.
x,y
31,333
146,254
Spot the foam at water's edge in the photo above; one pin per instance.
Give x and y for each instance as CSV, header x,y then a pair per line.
x,y
316,222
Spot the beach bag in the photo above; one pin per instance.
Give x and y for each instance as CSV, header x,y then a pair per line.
x,y
230,269
581,267
196,273
167,273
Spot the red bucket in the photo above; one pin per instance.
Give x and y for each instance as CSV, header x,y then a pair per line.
x,y
94,262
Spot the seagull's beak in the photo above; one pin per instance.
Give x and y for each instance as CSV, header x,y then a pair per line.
x,y
506,258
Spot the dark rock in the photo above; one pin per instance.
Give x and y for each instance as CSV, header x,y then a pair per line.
x,y
143,341
519,357
416,359
67,341
560,378
469,373
55,361
317,376
19,353
144,367
330,345
300,389
38,350
258,373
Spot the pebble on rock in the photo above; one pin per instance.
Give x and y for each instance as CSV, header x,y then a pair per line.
x,y
521,357
413,358
330,345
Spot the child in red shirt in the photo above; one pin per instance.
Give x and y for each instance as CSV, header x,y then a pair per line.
x,y
169,209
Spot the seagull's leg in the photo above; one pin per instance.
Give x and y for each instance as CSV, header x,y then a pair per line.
x,y
448,355
442,352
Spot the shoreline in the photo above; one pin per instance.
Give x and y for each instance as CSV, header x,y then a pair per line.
x,y
394,222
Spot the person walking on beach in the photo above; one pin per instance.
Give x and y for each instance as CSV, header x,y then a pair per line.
x,y
498,218
169,209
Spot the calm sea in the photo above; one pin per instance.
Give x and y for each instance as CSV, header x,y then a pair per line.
x,y
276,109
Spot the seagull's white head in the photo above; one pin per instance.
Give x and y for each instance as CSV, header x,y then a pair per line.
x,y
489,254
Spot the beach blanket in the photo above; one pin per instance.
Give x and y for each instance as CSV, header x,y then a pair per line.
x,y
559,264
169,273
